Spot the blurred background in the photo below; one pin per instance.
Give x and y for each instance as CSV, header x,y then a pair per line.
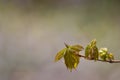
x,y
33,31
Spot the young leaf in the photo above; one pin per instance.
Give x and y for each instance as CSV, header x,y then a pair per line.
x,y
110,56
93,43
60,54
104,55
95,53
87,51
103,50
71,60
91,51
76,48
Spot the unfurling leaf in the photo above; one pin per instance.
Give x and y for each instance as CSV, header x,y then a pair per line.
x,y
71,60
91,51
60,54
110,56
105,50
87,51
104,55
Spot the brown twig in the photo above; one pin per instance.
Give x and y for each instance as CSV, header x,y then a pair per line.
x,y
109,61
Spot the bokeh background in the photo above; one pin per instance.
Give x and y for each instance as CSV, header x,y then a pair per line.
x,y
33,31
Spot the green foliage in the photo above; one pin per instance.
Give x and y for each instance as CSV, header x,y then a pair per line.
x,y
110,56
60,54
76,48
71,54
105,55
91,51
71,60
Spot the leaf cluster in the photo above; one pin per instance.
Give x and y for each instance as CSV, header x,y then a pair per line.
x,y
105,55
71,54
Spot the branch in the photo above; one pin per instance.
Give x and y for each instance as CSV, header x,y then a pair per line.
x,y
109,61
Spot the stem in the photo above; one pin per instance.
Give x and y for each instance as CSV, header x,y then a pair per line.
x,y
109,61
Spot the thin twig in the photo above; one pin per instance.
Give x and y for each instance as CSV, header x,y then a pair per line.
x,y
109,61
